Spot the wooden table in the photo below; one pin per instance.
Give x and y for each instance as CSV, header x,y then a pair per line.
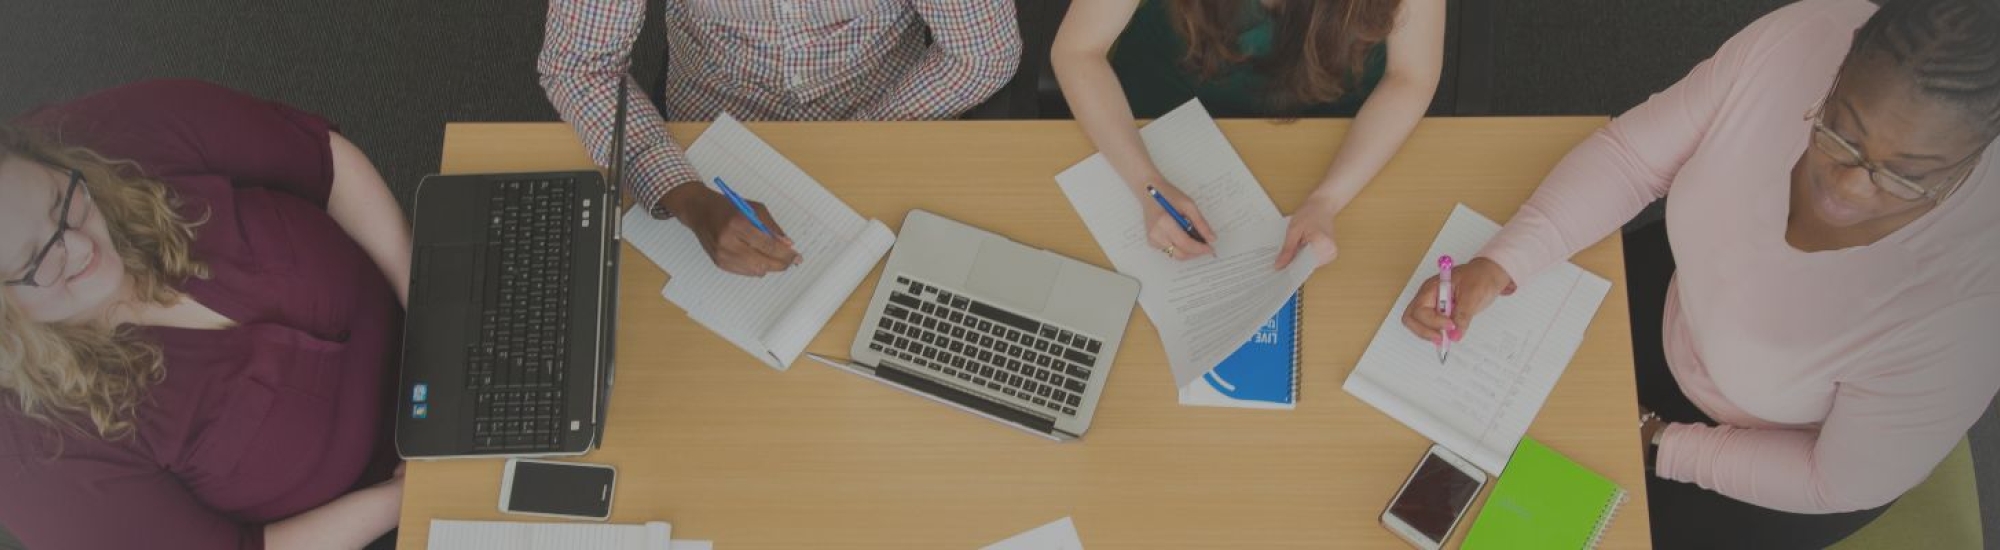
x,y
725,448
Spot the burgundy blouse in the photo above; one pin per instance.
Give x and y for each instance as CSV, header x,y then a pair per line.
x,y
284,412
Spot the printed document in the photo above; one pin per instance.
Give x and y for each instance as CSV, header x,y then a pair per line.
x,y
1205,307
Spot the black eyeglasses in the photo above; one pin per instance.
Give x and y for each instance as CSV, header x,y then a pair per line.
x,y
36,274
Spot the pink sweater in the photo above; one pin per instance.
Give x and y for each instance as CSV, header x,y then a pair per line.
x,y
1841,378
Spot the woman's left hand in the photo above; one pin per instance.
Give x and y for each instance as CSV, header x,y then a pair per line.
x,y
1311,229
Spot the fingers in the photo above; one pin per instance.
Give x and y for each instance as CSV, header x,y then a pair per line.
x,y
1295,239
1422,317
778,247
1175,242
1194,216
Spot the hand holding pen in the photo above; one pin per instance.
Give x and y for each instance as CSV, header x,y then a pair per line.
x,y
738,234
1174,224
1445,305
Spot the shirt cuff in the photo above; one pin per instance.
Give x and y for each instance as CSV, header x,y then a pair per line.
x,y
1670,464
656,172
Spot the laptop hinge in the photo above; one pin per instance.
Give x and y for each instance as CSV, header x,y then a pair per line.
x,y
895,376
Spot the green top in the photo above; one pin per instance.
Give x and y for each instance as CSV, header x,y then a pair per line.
x,y
1148,62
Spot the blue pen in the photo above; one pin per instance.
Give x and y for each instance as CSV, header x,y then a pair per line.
x,y
1186,225
742,206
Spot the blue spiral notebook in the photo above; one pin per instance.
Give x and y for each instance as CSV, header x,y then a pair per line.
x,y
1262,374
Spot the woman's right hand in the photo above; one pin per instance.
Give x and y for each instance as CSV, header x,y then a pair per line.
x,y
1475,284
1165,234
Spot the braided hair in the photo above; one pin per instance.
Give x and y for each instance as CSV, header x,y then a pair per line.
x,y
1950,49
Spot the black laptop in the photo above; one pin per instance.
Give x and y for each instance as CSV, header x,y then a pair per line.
x,y
507,348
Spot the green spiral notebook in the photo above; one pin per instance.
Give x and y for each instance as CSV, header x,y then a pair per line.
x,y
1545,500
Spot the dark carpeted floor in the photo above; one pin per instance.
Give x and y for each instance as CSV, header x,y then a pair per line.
x,y
393,72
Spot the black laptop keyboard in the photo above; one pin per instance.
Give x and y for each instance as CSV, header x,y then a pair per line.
x,y
519,362
1040,365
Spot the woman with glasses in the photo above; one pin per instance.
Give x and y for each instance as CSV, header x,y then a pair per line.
x,y
1831,205
198,327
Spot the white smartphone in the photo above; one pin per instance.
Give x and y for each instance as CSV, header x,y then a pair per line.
x,y
569,490
1433,500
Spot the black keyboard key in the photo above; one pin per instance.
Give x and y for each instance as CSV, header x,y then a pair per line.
x,y
885,337
897,312
902,343
930,323
960,302
1074,401
1042,360
1041,345
904,300
1079,357
1005,317
985,326
957,332
1077,371
1090,345
986,341
986,371
1041,375
886,323
928,308
1072,384
1048,331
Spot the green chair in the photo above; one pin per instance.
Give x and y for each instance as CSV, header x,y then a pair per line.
x,y
1941,513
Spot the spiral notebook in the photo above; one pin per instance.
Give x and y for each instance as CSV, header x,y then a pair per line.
x,y
1263,373
1545,500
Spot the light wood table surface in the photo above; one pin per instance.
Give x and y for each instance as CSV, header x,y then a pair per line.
x,y
727,449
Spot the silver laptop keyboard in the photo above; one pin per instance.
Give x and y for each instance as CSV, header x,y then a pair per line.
x,y
980,345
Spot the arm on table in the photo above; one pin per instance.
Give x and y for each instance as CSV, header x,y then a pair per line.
x,y
1416,59
1082,63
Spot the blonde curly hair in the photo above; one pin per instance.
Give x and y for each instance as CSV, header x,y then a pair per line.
x,y
60,372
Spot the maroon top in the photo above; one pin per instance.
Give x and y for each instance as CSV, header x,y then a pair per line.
x,y
253,424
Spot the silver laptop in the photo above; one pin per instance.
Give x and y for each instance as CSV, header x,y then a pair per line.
x,y
1019,335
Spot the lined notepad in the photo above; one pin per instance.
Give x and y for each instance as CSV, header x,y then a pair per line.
x,y
1204,308
1479,404
775,316
1545,500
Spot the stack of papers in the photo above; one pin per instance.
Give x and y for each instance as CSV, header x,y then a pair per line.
x,y
513,535
773,317
1480,402
1204,308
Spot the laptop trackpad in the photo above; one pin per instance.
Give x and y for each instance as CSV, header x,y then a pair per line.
x,y
1013,274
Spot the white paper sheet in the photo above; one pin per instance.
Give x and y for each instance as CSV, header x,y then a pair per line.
x,y
1207,307
1057,535
1480,403
693,545
775,316
513,535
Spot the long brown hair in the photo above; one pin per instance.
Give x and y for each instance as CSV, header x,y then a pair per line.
x,y
1318,47
95,370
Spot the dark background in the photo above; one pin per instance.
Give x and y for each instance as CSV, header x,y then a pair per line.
x,y
393,72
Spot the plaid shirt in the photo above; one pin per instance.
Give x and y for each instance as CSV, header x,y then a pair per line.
x,y
771,60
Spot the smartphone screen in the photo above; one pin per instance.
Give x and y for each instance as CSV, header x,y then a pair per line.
x,y
1437,492
574,490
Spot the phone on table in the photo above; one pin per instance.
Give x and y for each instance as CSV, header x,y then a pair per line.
x,y
570,490
1433,500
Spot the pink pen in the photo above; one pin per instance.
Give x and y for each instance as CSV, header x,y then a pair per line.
x,y
1445,300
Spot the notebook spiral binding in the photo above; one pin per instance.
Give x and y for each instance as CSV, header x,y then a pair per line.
x,y
1604,519
1298,340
